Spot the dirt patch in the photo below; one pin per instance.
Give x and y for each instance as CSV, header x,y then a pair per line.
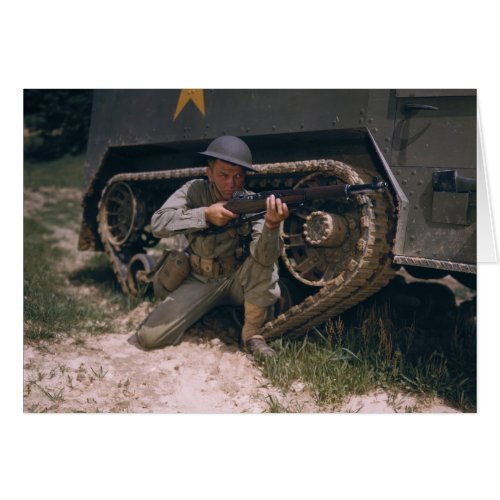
x,y
35,200
111,373
383,402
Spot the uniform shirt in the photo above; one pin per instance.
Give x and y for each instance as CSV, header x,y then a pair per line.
x,y
184,213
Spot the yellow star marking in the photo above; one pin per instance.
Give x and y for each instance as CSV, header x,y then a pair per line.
x,y
195,95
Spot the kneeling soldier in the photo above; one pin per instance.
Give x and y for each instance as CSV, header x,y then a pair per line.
x,y
221,271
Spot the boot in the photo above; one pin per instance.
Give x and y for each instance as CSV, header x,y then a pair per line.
x,y
258,347
255,318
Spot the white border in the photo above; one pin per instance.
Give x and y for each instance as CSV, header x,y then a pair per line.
x,y
224,44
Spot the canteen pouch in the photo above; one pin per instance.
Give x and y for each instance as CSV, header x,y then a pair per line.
x,y
172,272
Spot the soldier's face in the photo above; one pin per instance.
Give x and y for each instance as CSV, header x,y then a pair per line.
x,y
227,177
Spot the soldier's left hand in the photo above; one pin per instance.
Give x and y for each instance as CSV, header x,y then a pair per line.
x,y
277,211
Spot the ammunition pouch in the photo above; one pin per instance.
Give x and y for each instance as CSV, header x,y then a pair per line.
x,y
172,271
212,268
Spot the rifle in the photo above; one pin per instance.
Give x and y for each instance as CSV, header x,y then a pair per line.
x,y
255,204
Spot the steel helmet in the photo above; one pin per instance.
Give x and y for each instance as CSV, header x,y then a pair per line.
x,y
231,149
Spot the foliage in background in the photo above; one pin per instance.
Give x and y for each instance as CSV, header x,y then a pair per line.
x,y
56,122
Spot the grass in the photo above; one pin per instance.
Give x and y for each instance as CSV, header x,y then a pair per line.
x,y
56,396
62,173
48,307
274,405
99,274
62,213
373,349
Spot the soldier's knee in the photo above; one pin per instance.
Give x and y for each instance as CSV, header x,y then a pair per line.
x,y
145,339
157,336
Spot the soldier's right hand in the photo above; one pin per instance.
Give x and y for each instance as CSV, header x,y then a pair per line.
x,y
217,215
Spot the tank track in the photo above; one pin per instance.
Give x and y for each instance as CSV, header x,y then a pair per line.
x,y
368,271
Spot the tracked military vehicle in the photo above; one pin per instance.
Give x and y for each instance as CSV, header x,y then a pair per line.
x,y
144,144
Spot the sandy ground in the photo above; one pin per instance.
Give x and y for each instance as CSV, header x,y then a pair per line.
x,y
111,373
206,373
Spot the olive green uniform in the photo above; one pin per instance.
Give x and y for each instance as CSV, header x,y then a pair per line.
x,y
221,274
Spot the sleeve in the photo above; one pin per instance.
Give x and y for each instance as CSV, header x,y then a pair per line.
x,y
266,243
178,214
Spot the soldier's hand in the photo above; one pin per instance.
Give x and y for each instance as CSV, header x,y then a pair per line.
x,y
217,215
277,211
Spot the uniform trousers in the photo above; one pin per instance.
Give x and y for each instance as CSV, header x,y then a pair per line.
x,y
196,296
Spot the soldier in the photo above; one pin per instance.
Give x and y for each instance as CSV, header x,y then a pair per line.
x,y
224,270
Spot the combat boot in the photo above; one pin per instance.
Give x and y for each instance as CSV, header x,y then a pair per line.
x,y
255,318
